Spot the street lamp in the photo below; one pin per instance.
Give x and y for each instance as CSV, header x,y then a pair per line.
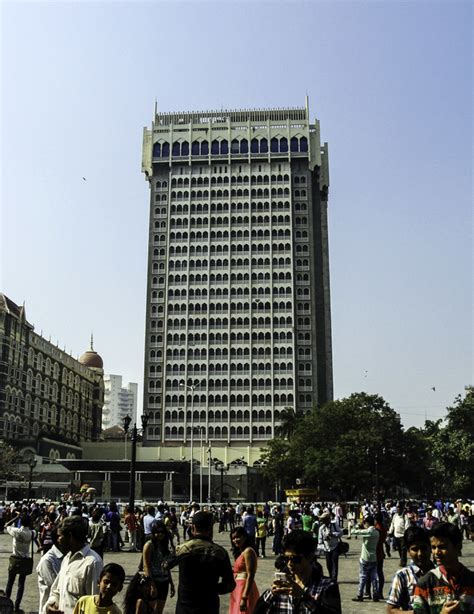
x,y
220,466
201,460
209,465
191,387
126,424
32,464
133,461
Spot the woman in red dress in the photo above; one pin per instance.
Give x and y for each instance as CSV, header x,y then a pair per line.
x,y
245,595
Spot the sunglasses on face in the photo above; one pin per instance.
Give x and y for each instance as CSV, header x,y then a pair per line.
x,y
294,558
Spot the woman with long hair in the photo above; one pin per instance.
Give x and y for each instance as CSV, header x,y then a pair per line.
x,y
155,553
245,595
141,596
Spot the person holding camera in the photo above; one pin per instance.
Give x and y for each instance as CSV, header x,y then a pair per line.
x,y
21,560
299,585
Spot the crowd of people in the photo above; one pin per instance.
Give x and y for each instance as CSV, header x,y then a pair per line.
x,y
73,536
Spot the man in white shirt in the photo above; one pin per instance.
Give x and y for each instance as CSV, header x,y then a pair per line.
x,y
47,570
23,538
80,570
398,526
328,540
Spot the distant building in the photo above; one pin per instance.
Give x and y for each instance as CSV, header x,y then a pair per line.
x,y
49,401
238,320
119,401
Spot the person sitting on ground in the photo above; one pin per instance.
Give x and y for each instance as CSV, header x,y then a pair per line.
x,y
302,588
111,582
449,588
400,596
80,570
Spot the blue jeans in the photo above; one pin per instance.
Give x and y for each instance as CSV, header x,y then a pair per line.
x,y
368,573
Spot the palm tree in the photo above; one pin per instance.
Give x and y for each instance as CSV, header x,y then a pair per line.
x,y
288,421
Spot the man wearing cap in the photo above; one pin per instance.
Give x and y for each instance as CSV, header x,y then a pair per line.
x,y
205,571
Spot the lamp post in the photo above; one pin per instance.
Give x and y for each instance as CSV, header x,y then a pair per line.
x,y
32,464
220,466
209,465
201,460
191,461
133,461
126,425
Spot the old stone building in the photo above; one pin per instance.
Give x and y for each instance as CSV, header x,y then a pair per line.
x,y
49,401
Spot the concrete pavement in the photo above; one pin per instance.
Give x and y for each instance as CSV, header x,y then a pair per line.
x,y
348,575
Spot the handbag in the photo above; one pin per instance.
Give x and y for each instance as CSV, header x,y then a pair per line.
x,y
20,565
342,547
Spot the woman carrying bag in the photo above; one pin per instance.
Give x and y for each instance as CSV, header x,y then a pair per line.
x,y
21,561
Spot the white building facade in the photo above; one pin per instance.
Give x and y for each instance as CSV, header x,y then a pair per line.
x,y
238,325
119,401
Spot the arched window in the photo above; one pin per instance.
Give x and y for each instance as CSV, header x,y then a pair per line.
x,y
176,149
165,150
224,147
204,148
244,146
274,145
195,148
263,146
185,148
284,144
157,150
303,144
215,147
254,146
294,147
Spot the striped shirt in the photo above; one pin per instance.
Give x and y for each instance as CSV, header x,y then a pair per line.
x,y
434,589
403,585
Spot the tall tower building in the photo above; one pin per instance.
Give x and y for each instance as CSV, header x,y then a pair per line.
x,y
238,321
119,401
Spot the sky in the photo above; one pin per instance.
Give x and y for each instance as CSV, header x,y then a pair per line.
x,y
390,82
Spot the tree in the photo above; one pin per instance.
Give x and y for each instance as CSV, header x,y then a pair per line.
x,y
288,422
452,448
350,446
276,464
9,460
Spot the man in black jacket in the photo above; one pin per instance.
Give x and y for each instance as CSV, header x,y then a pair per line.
x,y
205,571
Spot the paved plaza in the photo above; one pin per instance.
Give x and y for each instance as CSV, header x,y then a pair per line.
x,y
348,575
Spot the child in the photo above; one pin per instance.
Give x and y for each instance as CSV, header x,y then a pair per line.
x,y
404,581
111,582
141,596
449,587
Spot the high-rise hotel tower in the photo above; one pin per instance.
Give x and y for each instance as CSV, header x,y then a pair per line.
x,y
238,320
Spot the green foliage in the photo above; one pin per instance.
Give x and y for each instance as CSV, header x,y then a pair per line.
x,y
452,445
9,459
357,446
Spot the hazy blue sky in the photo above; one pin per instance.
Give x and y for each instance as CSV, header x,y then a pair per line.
x,y
391,83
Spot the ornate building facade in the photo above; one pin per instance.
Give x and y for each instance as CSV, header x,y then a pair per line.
x,y
238,324
49,401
